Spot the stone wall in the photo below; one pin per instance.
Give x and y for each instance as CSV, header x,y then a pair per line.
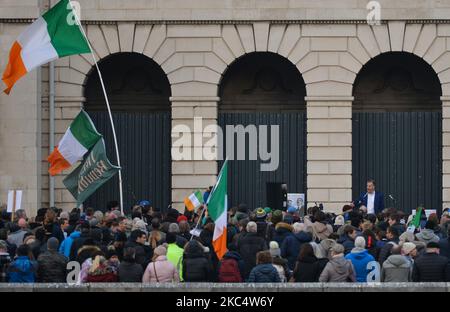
x,y
195,55
20,124
122,10
217,288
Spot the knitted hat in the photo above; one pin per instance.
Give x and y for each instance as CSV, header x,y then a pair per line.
x,y
268,210
360,242
181,218
292,209
260,213
274,249
340,220
408,247
277,216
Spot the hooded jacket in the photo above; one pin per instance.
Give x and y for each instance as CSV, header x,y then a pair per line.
x,y
66,244
22,270
291,247
196,266
264,273
360,258
427,235
396,269
231,256
338,269
282,231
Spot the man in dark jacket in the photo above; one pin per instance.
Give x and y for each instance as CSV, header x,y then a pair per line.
x,y
52,265
143,253
444,246
248,246
431,267
291,246
129,271
392,235
77,243
348,238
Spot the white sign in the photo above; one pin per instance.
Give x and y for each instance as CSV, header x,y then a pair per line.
x,y
427,212
296,200
17,196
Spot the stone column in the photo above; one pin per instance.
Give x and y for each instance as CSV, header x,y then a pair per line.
x,y
445,151
197,173
329,155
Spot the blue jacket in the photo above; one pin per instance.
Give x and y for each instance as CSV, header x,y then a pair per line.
x,y
291,247
378,204
22,270
360,260
64,248
264,273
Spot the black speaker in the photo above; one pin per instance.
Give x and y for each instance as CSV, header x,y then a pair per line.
x,y
276,195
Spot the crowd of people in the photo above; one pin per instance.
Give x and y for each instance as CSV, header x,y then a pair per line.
x,y
264,245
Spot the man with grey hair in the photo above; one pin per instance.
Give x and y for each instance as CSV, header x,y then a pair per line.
x,y
338,269
175,229
248,245
292,244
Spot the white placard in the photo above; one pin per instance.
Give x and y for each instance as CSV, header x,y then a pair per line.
x,y
18,194
296,200
427,212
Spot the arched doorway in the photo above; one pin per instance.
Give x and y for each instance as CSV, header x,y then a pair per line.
x,y
397,131
264,88
138,92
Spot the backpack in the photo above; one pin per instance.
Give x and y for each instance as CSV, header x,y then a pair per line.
x,y
229,271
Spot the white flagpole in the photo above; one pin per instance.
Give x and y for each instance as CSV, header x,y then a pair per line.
x,y
107,105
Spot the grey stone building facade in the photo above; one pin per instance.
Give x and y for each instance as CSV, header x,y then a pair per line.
x,y
195,43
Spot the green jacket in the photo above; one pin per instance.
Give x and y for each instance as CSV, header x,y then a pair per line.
x,y
175,256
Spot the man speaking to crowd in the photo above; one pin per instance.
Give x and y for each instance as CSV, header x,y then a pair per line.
x,y
374,201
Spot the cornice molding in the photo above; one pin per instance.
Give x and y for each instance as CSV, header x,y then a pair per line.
x,y
215,22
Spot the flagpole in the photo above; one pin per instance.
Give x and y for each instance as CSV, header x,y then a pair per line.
x,y
107,105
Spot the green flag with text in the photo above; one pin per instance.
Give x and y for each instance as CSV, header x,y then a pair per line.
x,y
93,172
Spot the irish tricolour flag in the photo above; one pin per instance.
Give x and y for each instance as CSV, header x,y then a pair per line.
x,y
76,142
193,201
217,210
51,36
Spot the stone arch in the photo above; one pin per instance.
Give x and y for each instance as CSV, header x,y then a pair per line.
x,y
397,130
138,92
264,89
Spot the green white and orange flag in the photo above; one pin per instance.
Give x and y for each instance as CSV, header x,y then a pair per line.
x,y
194,200
51,36
75,143
217,210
